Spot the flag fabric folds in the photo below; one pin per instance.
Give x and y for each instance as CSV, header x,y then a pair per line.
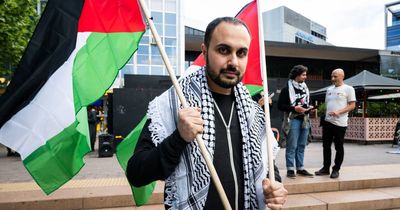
x,y
72,58
124,152
252,79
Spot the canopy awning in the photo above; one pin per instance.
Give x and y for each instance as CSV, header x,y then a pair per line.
x,y
386,96
367,81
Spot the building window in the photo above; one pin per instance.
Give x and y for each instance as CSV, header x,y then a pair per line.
x,y
318,35
130,60
171,51
156,5
396,18
127,69
143,59
157,17
145,38
299,40
157,70
170,41
148,60
143,69
170,5
170,18
143,50
170,30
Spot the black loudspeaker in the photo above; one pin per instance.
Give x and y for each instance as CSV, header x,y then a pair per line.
x,y
129,104
106,145
117,140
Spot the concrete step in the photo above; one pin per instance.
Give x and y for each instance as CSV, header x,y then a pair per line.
x,y
76,194
366,199
351,178
305,193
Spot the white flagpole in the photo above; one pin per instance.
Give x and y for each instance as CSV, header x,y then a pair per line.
x,y
263,67
199,138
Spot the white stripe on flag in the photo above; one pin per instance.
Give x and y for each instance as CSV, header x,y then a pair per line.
x,y
49,113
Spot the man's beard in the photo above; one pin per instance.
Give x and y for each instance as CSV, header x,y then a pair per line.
x,y
217,76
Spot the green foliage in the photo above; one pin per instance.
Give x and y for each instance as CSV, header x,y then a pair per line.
x,y
383,109
18,19
374,109
321,109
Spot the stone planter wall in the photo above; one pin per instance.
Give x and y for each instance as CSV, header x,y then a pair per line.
x,y
363,129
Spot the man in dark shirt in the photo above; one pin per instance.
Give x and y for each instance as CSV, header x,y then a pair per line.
x,y
232,126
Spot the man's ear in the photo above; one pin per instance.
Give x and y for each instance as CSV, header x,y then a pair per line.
x,y
203,49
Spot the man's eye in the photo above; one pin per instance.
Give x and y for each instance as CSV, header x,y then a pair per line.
x,y
223,50
242,53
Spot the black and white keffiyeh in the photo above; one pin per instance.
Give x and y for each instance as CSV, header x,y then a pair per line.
x,y
292,85
188,185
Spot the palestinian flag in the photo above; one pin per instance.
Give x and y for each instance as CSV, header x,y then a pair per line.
x,y
252,77
72,58
124,152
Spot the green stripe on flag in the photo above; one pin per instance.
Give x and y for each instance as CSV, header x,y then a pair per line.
x,y
124,152
254,89
56,162
97,64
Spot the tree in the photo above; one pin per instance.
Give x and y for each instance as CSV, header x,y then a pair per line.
x,y
18,19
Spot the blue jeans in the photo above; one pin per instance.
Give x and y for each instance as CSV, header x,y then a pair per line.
x,y
296,143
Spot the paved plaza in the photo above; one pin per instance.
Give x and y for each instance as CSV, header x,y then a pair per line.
x,y
12,169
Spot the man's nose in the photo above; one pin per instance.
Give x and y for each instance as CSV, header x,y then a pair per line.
x,y
233,60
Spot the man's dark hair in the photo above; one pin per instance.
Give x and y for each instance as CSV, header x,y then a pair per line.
x,y
213,24
297,70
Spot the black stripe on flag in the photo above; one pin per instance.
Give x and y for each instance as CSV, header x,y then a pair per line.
x,y
50,46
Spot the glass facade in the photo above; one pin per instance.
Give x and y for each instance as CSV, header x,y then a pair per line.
x,y
389,65
393,36
393,26
147,60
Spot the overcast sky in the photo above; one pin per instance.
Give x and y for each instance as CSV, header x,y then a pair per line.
x,y
349,23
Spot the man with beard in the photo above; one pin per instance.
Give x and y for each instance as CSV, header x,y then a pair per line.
x,y
232,126
294,101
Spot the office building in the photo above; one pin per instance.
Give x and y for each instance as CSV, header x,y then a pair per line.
x,y
392,26
390,59
285,25
169,25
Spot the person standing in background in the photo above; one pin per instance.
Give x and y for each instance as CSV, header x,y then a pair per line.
x,y
294,101
92,120
340,99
